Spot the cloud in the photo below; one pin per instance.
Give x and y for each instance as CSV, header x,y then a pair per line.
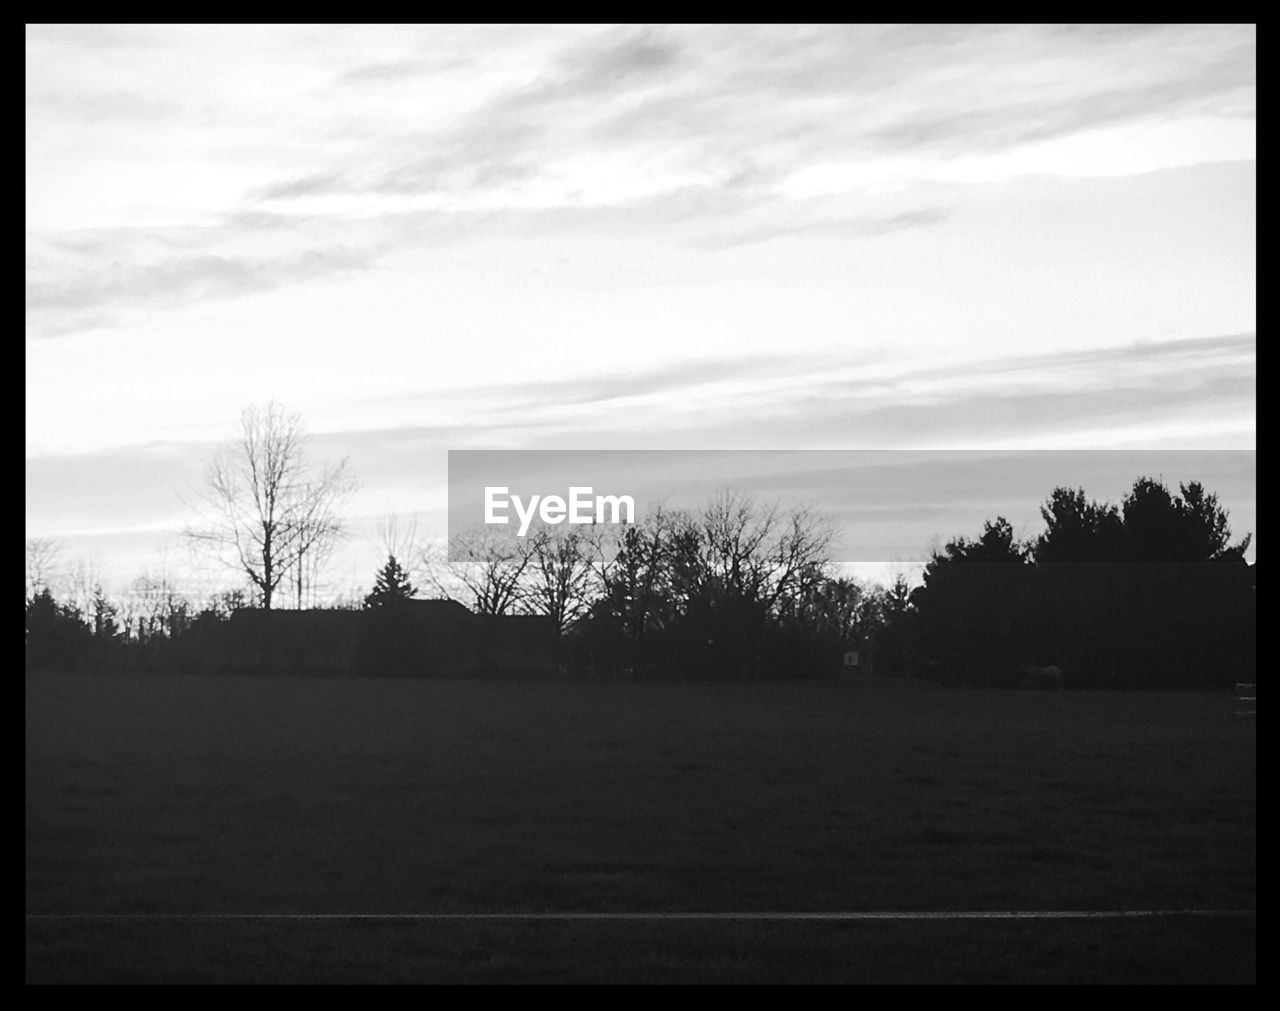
x,y
390,70
498,143
98,106
1127,392
630,119
829,401
666,379
1198,354
1004,125
136,486
1048,396
89,36
90,280
294,156
837,227
187,279
300,186
890,505
602,67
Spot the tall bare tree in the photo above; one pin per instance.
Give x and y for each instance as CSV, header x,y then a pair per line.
x,y
264,512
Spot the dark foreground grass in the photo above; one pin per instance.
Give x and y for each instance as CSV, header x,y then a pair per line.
x,y
1177,950
204,795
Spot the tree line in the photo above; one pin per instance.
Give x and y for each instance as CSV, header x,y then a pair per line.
x,y
1147,591
1150,592
736,587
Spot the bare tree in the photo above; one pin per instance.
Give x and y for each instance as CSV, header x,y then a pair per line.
x,y
486,567
842,608
398,537
797,559
263,515
760,552
226,602
84,581
320,531
735,535
44,564
153,608
559,577
642,569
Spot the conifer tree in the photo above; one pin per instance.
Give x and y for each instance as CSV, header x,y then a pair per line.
x,y
390,586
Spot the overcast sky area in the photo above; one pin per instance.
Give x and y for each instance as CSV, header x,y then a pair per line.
x,y
593,237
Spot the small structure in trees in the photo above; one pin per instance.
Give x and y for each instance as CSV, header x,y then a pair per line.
x,y
858,660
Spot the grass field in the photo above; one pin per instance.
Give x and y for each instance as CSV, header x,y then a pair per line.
x,y
187,795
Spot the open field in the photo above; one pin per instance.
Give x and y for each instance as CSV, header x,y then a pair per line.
x,y
186,795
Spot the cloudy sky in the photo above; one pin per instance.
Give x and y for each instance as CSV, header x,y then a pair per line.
x,y
570,237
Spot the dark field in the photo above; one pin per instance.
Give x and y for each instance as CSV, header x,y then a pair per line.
x,y
232,795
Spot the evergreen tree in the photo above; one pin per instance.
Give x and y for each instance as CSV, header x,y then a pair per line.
x,y
105,614
56,633
1078,530
390,586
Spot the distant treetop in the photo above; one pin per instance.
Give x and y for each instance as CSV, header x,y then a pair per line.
x,y
1150,525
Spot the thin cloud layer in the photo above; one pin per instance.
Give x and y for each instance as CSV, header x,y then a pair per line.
x,y
796,403
706,104
440,237
718,137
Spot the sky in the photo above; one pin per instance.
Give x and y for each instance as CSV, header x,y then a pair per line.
x,y
434,238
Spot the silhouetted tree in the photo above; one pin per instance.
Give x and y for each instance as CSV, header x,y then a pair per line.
x,y
1190,527
837,609
997,544
388,643
263,515
79,581
1078,530
485,568
221,605
391,586
56,634
645,573
559,576
351,600
892,637
967,627
106,627
154,608
1151,593
759,552
732,589
44,564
